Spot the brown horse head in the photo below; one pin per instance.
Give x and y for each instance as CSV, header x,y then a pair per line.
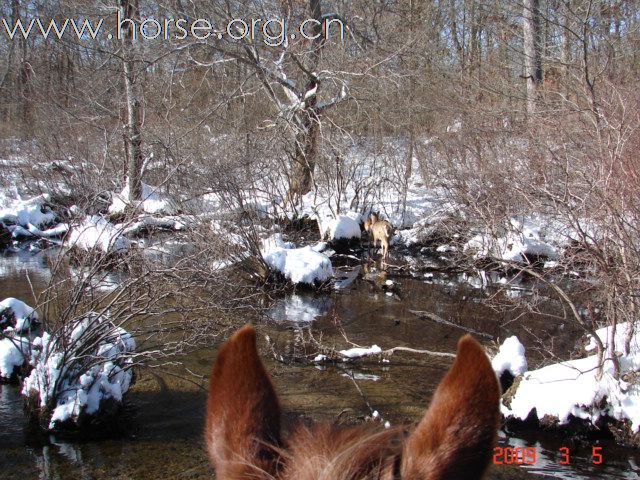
x,y
454,439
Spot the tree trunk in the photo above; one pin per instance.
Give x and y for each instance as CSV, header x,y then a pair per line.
x,y
133,95
304,161
532,53
308,120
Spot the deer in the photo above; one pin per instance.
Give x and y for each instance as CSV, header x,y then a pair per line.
x,y
454,440
379,230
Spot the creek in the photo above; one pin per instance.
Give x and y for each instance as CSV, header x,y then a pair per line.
x,y
165,408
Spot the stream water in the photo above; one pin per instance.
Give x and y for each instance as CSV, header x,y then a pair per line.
x,y
166,408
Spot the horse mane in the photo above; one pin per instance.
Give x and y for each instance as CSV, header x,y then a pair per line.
x,y
330,452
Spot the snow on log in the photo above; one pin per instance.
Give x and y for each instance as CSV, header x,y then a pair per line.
x,y
96,233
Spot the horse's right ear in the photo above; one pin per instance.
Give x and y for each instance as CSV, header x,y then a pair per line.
x,y
456,436
242,428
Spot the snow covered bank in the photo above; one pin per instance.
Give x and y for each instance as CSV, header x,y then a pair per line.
x,y
16,315
79,372
97,233
34,211
573,389
525,241
299,265
14,351
31,218
438,224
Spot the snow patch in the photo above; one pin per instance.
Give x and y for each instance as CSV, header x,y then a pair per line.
x,y
358,352
27,218
13,352
510,358
34,211
524,240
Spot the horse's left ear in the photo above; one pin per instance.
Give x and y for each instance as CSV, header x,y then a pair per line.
x,y
243,413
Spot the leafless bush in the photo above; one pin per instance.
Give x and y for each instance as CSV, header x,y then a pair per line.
x,y
575,172
168,304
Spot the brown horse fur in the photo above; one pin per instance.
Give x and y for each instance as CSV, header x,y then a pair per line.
x,y
379,230
453,441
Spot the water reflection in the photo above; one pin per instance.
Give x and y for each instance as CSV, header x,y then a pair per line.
x,y
10,414
102,281
15,263
300,308
165,250
513,286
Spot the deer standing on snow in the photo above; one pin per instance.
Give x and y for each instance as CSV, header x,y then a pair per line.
x,y
453,441
379,230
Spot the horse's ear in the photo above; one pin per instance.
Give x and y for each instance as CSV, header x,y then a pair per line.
x,y
456,436
242,429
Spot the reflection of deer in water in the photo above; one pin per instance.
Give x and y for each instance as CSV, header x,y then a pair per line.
x,y
453,441
379,230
